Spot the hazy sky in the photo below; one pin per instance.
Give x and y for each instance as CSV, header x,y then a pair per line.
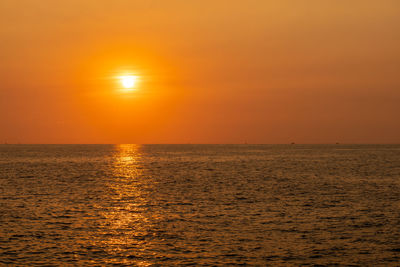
x,y
210,71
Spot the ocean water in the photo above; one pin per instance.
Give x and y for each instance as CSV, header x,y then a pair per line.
x,y
219,205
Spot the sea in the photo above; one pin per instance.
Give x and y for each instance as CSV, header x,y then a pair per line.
x,y
200,205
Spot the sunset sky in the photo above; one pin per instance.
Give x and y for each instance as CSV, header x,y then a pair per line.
x,y
205,71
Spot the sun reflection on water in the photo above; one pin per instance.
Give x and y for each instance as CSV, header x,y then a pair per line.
x,y
126,223
127,161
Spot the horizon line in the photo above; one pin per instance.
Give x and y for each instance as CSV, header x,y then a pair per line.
x,y
292,143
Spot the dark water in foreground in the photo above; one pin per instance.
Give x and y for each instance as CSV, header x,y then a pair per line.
x,y
199,204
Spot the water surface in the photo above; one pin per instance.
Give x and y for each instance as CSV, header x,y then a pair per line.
x,y
199,204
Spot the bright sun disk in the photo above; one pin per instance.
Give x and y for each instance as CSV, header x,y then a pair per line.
x,y
128,81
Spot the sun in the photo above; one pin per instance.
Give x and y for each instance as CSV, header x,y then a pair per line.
x,y
128,81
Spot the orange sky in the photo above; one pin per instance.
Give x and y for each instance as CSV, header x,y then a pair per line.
x,y
210,71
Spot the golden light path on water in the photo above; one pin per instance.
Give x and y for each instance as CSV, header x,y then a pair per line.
x,y
126,224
